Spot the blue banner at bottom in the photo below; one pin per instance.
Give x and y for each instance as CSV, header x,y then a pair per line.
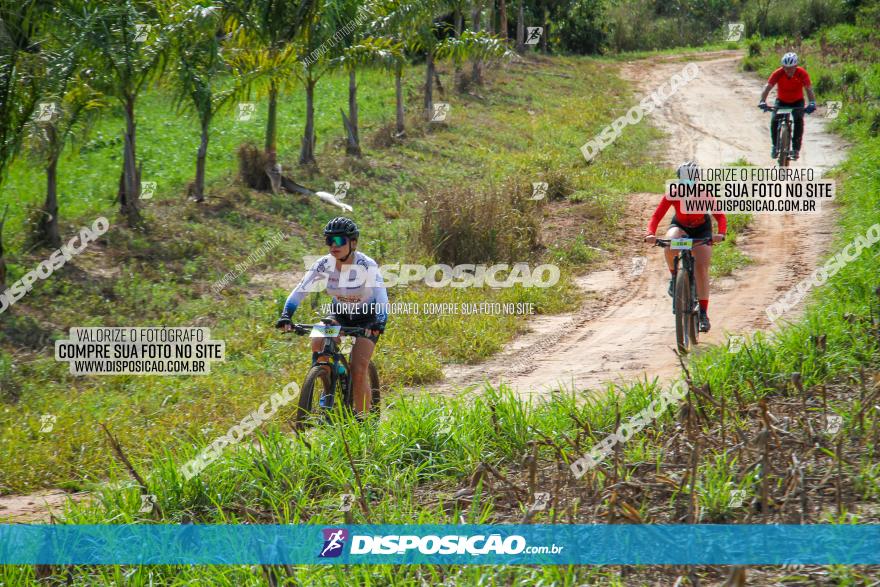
x,y
440,544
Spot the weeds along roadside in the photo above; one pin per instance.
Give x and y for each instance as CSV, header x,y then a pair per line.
x,y
529,125
833,349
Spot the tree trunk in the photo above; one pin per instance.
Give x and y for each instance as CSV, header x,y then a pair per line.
x,y
47,226
398,90
354,142
490,17
477,71
47,229
458,81
273,170
502,19
520,29
307,151
546,31
199,188
131,181
2,257
429,84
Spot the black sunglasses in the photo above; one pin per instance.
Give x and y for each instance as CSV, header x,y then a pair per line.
x,y
336,240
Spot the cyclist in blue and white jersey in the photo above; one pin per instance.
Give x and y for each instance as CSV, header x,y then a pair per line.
x,y
359,299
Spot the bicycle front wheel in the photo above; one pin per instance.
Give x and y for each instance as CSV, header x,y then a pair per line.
x,y
784,145
683,311
317,383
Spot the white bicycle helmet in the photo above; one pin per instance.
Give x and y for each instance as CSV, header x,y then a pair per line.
x,y
688,171
789,59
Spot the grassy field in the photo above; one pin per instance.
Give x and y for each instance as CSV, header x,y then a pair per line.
x,y
527,124
419,464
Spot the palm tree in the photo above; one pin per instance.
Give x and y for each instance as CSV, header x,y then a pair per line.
x,y
21,72
75,105
126,46
201,83
382,52
262,39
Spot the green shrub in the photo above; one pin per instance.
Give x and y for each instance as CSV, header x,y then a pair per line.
x,y
754,48
464,225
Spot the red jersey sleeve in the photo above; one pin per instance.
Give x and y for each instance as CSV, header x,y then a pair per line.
x,y
722,222
774,77
658,214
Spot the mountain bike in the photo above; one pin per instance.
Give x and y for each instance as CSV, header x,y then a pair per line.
x,y
784,132
328,382
685,304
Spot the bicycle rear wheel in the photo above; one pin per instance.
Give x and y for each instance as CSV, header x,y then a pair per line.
x,y
784,145
317,383
683,311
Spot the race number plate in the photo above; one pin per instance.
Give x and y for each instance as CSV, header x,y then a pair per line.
x,y
783,111
325,330
681,243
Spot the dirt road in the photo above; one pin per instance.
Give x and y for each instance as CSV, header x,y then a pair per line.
x,y
626,330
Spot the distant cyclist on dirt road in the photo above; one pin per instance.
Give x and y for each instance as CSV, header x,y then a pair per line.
x,y
695,226
358,300
790,81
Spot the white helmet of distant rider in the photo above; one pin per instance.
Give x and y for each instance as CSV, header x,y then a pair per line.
x,y
689,171
789,60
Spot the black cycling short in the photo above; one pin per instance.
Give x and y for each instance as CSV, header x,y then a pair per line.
x,y
704,230
356,321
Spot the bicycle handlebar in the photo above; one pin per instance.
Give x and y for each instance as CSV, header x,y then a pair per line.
x,y
303,329
664,242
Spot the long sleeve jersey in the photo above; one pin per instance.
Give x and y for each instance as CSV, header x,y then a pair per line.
x,y
689,220
359,286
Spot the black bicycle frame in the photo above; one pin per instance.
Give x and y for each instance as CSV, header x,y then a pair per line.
x,y
331,351
687,263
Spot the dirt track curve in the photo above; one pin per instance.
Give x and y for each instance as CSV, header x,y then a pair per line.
x,y
626,331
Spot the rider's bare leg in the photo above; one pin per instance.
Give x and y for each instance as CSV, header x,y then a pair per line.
x,y
673,232
361,354
702,260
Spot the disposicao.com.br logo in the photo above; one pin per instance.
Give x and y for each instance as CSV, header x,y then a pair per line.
x,y
476,545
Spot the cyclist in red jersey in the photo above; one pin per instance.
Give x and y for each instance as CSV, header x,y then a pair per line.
x,y
790,81
696,226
